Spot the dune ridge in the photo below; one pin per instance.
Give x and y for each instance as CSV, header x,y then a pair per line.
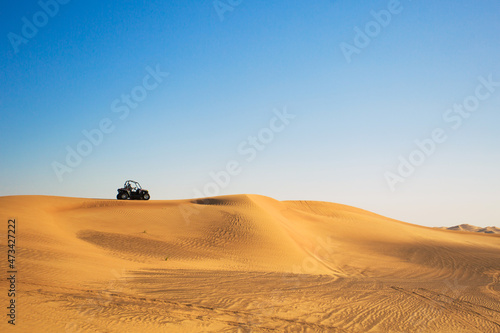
x,y
244,263
473,228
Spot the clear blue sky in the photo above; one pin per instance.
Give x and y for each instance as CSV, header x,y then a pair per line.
x,y
232,66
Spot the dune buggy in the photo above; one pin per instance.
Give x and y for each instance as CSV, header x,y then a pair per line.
x,y
132,190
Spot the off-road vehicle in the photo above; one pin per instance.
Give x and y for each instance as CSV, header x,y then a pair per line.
x,y
132,190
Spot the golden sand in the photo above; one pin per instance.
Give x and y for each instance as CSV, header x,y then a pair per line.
x,y
242,263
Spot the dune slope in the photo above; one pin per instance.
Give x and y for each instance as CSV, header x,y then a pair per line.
x,y
243,263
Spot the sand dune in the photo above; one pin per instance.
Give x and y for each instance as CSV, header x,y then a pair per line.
x,y
243,263
473,228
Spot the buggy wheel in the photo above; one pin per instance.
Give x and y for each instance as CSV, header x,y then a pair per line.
x,y
122,196
145,196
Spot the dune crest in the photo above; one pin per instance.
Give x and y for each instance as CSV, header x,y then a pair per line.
x,y
244,262
473,228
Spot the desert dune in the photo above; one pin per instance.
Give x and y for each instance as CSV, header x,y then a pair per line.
x,y
473,228
242,263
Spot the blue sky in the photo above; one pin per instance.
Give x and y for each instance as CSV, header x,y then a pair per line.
x,y
232,67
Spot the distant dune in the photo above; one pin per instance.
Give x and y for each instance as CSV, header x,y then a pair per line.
x,y
243,263
473,228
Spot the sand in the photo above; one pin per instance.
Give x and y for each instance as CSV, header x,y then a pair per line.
x,y
473,228
242,263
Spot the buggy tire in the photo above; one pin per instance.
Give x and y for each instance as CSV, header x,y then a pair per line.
x,y
122,196
145,196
